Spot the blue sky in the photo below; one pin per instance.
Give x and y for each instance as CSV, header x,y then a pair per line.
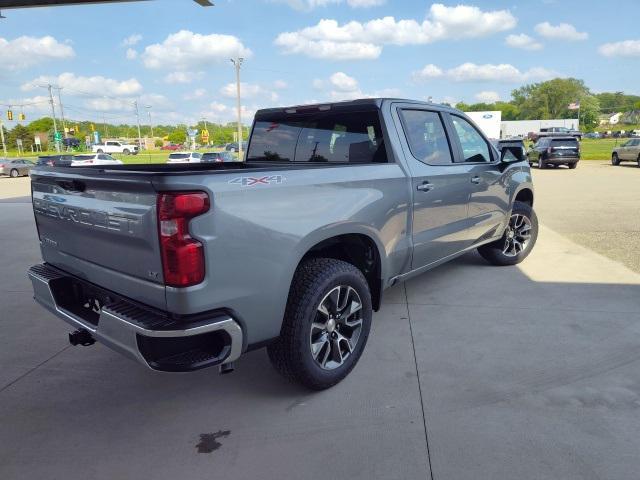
x,y
173,55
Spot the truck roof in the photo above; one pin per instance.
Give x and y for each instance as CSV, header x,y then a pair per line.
x,y
350,104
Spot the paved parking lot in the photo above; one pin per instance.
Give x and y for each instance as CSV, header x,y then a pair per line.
x,y
471,372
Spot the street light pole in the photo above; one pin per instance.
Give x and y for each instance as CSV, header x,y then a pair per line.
x,y
135,104
148,107
237,63
53,114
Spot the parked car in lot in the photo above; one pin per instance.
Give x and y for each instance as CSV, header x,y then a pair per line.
x,y
635,133
592,135
184,268
114,146
629,151
17,167
218,157
558,132
88,159
185,157
233,147
60,160
172,147
555,151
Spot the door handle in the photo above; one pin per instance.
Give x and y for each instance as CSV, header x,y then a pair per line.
x,y
425,186
475,180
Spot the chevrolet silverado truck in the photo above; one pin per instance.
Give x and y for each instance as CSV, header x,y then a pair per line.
x,y
186,266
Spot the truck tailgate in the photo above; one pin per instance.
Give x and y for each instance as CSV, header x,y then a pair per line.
x,y
101,228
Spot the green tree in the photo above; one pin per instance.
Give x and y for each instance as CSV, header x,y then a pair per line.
x,y
549,99
178,136
41,125
20,132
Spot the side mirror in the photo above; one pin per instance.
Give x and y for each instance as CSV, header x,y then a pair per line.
x,y
511,155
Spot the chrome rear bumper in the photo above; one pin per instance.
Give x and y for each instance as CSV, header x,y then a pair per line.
x,y
152,338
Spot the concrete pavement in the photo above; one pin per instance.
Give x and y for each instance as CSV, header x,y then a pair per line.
x,y
526,372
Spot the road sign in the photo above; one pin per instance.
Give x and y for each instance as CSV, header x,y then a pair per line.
x,y
19,142
37,140
204,134
57,136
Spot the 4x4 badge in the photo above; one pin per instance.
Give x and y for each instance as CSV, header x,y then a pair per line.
x,y
251,181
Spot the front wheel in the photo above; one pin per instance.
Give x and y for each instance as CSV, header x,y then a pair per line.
x,y
126,151
99,151
518,239
541,163
14,173
638,160
326,324
615,160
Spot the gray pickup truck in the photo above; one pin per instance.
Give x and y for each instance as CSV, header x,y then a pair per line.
x,y
182,267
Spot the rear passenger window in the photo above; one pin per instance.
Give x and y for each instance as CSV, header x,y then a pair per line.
x,y
475,149
344,137
426,137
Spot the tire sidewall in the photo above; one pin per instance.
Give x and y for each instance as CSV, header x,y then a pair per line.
x,y
14,173
358,283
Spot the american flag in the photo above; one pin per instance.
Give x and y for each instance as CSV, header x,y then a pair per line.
x,y
574,106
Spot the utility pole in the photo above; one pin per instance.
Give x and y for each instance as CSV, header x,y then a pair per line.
x,y
135,104
4,144
53,114
148,107
64,125
237,63
104,122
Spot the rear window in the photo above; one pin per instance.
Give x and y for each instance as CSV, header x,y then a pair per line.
x,y
334,137
84,157
565,143
178,156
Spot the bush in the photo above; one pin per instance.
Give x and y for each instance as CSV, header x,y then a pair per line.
x,y
158,143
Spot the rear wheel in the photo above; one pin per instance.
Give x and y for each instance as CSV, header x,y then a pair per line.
x,y
518,239
126,151
99,151
326,324
638,160
573,165
541,163
614,159
14,173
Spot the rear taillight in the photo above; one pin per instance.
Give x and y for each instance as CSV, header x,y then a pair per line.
x,y
2,165
182,256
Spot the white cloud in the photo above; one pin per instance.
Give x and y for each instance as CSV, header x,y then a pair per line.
x,y
183,77
280,84
187,50
248,90
487,96
219,112
96,85
355,40
196,94
523,41
563,31
343,82
131,40
131,54
24,52
104,104
428,71
471,72
625,48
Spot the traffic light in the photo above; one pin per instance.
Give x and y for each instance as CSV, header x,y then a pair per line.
x,y
9,115
22,117
93,127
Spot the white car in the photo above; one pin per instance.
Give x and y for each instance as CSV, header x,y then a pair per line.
x,y
113,146
94,159
185,157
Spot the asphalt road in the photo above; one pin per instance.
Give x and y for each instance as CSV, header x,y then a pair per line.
x,y
471,372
